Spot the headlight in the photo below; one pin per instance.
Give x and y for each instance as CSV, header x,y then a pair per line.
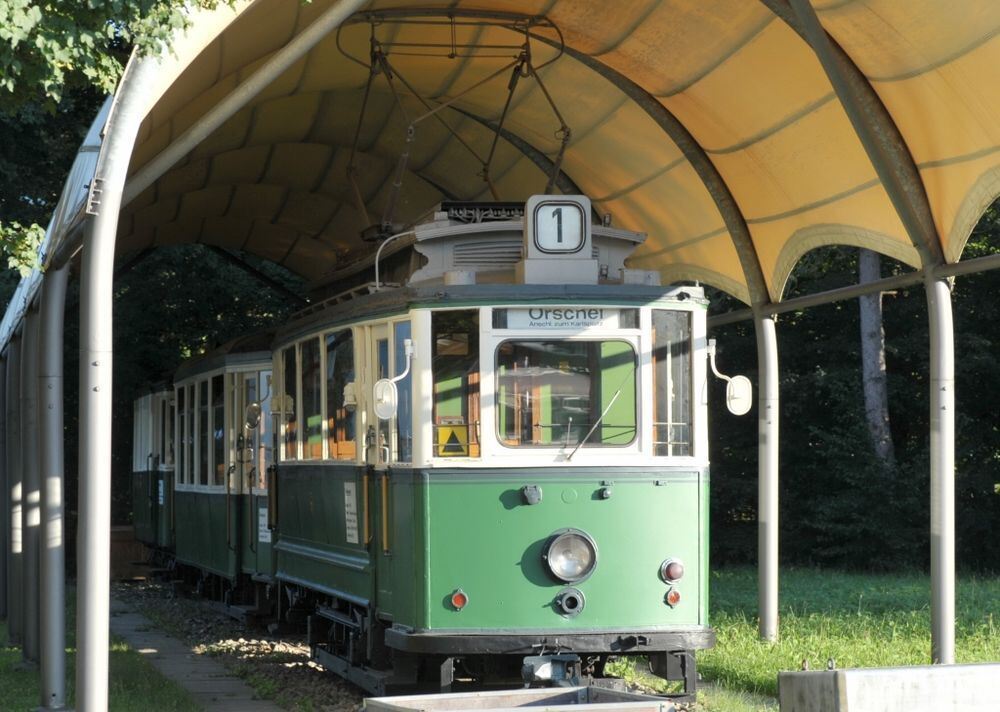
x,y
571,555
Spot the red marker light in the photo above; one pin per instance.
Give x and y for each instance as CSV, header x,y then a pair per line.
x,y
459,600
671,570
673,597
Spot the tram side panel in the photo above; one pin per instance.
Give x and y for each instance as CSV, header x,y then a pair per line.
x,y
201,534
319,542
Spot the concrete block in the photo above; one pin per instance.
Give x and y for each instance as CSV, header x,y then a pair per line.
x,y
941,688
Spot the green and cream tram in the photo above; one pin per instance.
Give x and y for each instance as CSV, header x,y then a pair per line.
x,y
493,455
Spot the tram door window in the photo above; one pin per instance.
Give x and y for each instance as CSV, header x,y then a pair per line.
x,y
672,383
286,405
455,369
246,439
219,460
265,455
381,340
340,402
312,401
403,448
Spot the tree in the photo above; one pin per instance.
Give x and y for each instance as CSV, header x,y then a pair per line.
x,y
58,58
873,376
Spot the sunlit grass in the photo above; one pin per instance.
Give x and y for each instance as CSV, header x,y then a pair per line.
x,y
134,683
855,620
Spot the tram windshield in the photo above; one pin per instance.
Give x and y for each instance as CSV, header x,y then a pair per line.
x,y
561,393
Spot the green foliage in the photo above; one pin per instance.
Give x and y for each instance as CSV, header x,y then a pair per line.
x,y
35,157
49,47
20,244
839,506
57,61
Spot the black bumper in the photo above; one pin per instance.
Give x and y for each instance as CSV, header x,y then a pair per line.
x,y
493,643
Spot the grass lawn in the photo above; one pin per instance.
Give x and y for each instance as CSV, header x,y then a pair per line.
x,y
858,620
134,685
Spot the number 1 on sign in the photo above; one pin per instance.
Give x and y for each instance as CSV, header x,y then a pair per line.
x,y
557,214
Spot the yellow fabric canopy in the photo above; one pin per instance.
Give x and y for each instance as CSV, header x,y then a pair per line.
x,y
742,82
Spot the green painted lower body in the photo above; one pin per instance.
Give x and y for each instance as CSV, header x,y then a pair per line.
x,y
152,508
255,537
438,531
319,544
202,540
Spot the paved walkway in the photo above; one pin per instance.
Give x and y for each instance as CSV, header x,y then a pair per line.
x,y
208,682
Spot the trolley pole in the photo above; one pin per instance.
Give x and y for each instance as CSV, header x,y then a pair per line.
x,y
31,492
53,554
767,477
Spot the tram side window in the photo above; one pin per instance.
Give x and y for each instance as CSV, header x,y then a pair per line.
x,y
564,393
340,398
204,432
312,401
182,433
455,368
672,402
286,406
189,434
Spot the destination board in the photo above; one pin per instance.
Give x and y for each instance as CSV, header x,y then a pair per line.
x,y
563,317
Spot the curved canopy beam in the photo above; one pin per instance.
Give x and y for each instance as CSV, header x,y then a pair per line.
x,y
873,125
722,196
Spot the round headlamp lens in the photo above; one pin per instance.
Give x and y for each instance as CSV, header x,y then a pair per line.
x,y
571,556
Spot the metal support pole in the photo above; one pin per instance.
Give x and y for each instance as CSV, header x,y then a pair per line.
x,y
32,492
131,103
15,608
4,493
53,553
767,478
942,374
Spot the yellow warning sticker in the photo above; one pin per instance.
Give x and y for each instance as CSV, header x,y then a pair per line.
x,y
453,441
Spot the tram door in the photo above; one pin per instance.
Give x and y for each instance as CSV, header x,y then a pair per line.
x,y
253,459
377,455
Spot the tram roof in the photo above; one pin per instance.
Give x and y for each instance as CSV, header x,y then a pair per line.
x,y
673,106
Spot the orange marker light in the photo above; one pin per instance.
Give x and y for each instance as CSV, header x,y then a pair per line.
x,y
459,599
673,597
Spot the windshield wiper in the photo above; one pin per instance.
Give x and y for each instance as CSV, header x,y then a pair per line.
x,y
594,426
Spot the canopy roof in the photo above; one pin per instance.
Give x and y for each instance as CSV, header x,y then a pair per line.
x,y
686,118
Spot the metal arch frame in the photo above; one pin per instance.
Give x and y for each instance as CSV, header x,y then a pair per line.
x,y
96,344
896,169
52,573
768,401
4,491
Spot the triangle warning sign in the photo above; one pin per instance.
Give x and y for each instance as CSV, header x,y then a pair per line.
x,y
453,441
